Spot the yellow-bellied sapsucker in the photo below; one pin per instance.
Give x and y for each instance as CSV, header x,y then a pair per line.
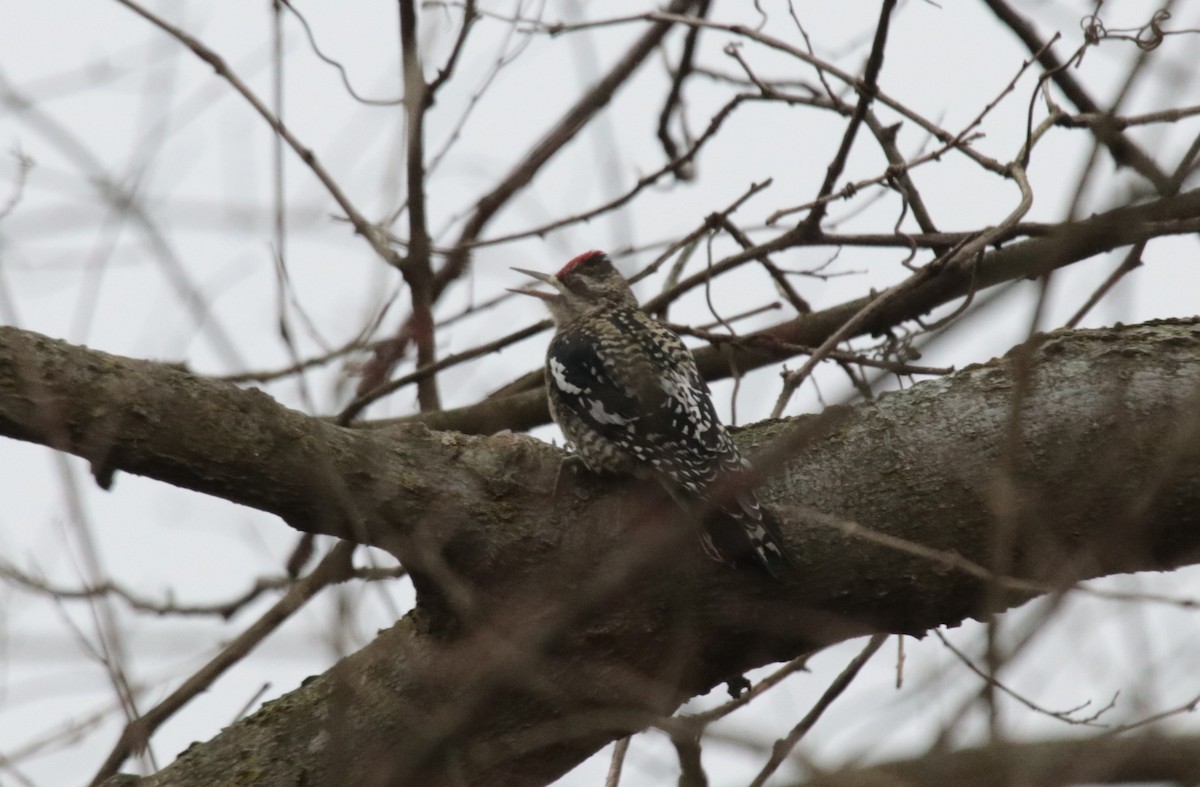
x,y
628,397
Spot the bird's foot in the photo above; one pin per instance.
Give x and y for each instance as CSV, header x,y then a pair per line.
x,y
570,459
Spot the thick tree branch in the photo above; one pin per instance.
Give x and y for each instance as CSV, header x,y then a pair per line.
x,y
549,625
1102,759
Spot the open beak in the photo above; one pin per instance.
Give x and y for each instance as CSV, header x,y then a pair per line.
x,y
542,277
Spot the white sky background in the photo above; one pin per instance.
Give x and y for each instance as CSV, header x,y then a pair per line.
x,y
108,88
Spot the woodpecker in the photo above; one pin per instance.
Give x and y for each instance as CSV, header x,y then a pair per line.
x,y
627,395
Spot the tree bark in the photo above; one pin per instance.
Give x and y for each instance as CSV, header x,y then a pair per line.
x,y
550,624
1101,759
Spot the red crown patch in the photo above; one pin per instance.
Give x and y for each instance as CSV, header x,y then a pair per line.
x,y
577,261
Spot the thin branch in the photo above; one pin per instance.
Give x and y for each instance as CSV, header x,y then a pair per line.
x,y
644,182
785,286
417,266
877,304
897,173
24,164
1131,262
1123,150
763,686
312,43
1096,119
1063,716
137,601
854,187
575,118
1187,707
766,307
902,180
334,568
784,746
895,367
939,133
866,94
360,403
267,375
470,15
957,562
673,102
620,749
361,225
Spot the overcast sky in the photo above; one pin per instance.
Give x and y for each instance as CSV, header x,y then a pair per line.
x,y
102,103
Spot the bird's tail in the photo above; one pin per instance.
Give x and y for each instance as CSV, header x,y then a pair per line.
x,y
738,532
746,535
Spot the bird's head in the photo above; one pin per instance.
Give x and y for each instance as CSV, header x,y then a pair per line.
x,y
587,282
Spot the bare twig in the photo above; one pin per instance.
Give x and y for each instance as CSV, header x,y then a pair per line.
x,y
312,43
957,562
760,688
895,367
866,93
24,164
575,118
1067,716
355,407
361,225
644,182
417,267
470,14
1131,262
1186,707
824,67
673,101
617,764
334,568
1096,119
784,746
223,609
851,326
1122,149
785,286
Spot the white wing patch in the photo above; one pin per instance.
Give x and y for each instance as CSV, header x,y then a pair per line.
x,y
597,411
559,373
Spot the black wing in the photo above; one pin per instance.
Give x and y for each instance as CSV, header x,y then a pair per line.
x,y
583,385
637,385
